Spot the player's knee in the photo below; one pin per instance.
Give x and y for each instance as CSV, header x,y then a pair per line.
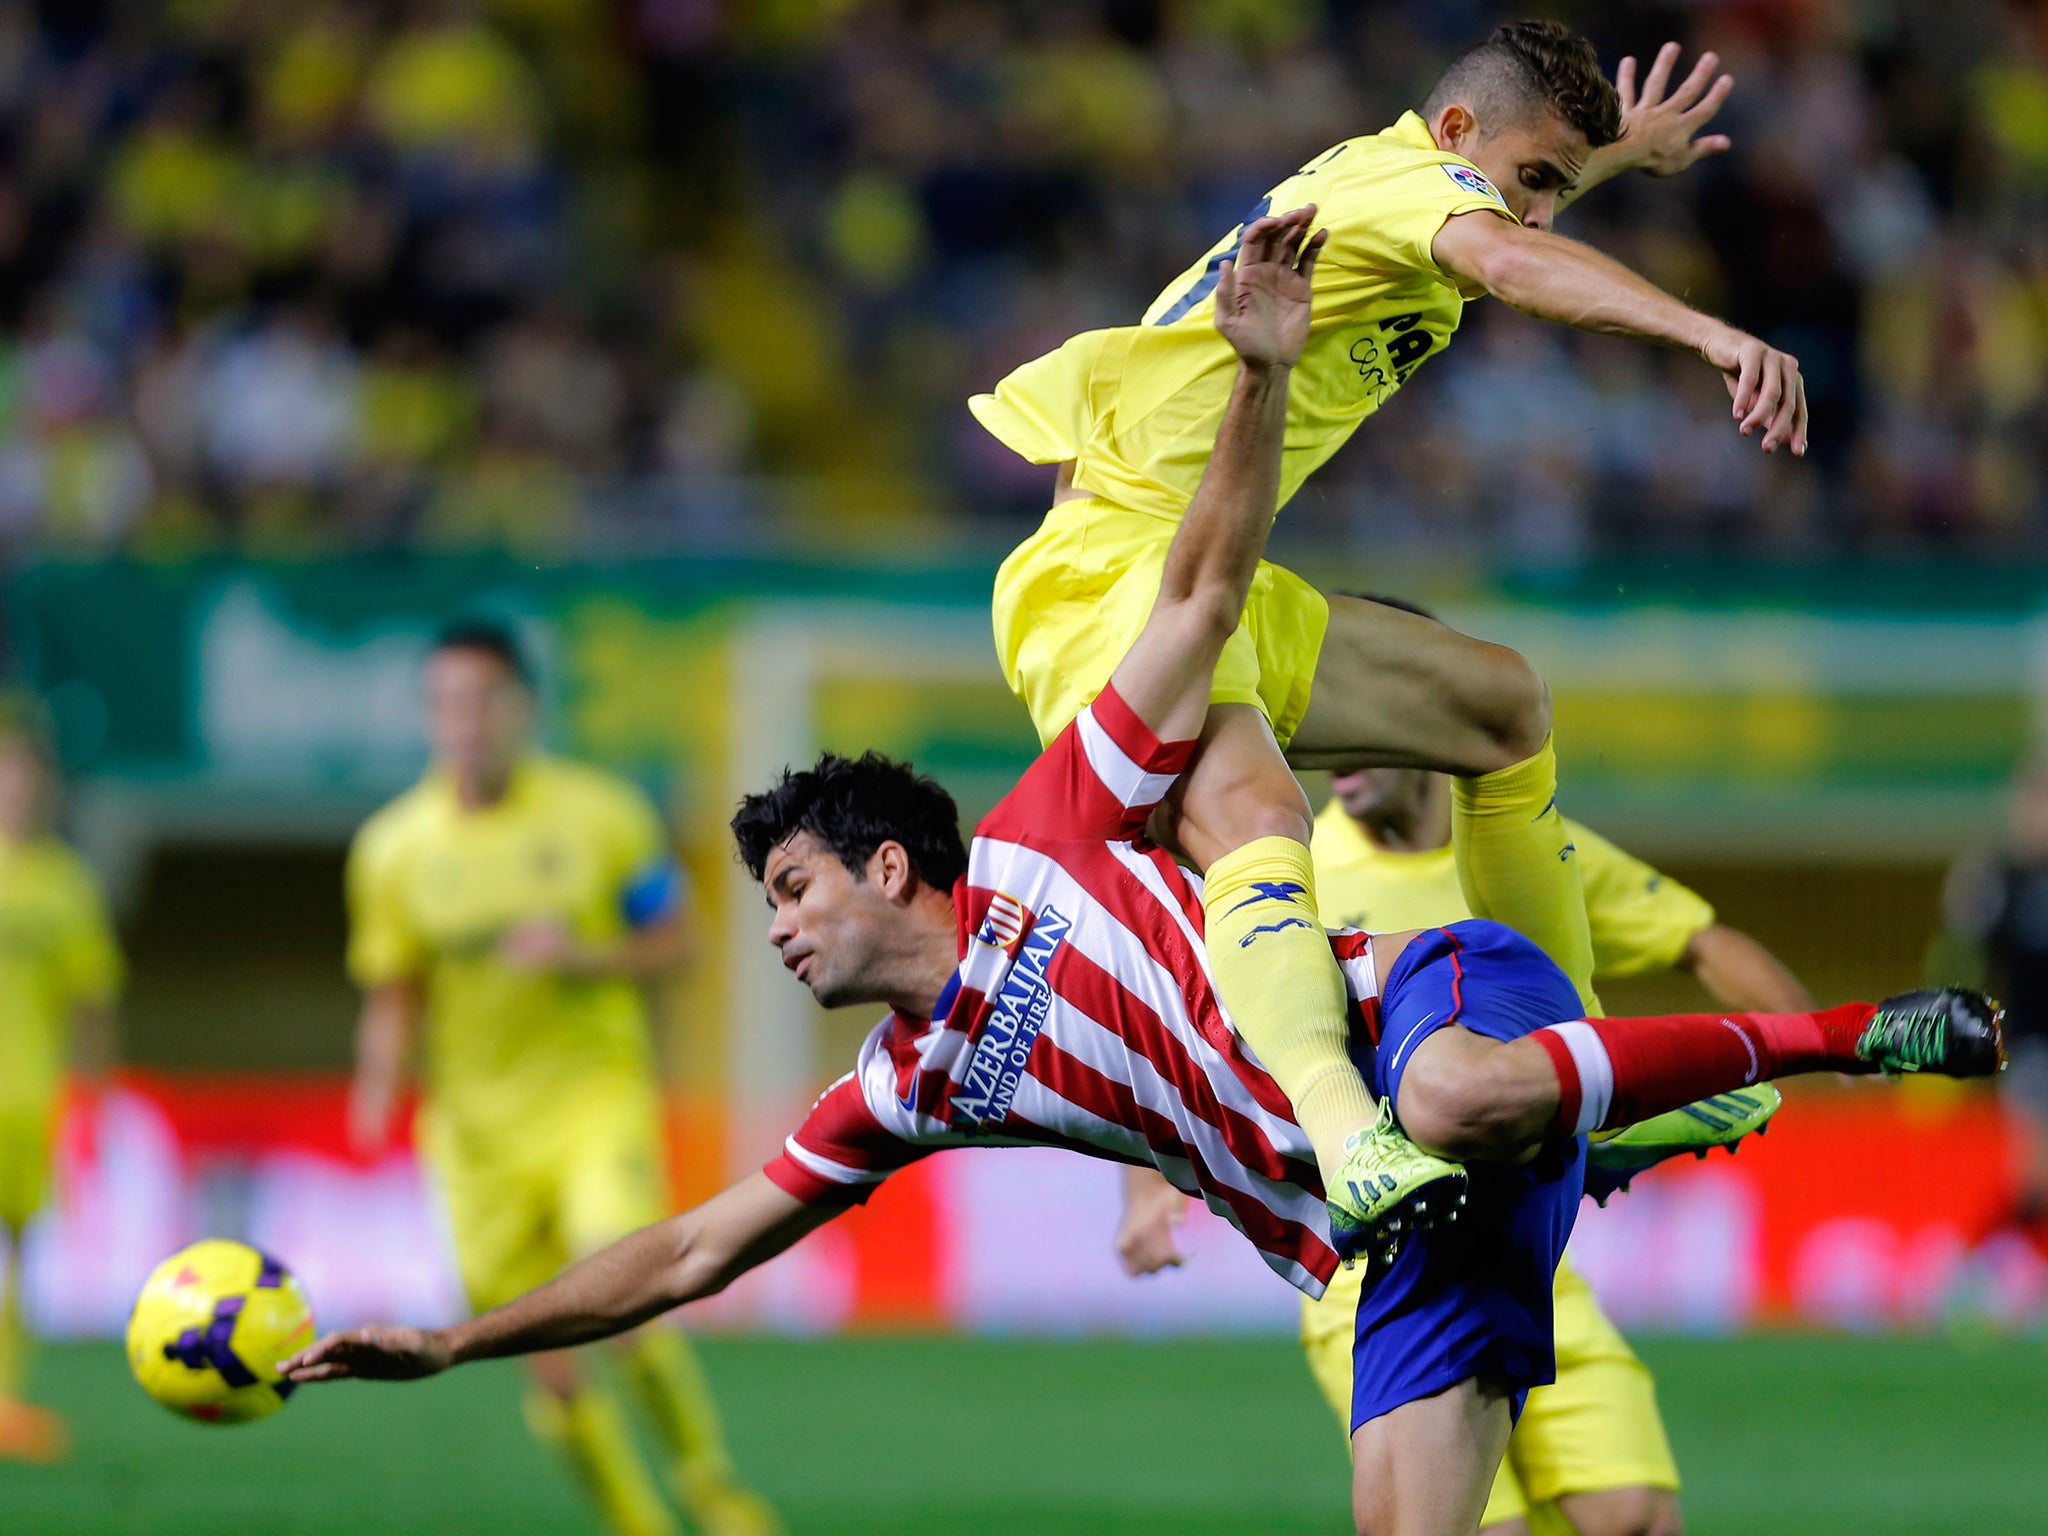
x,y
1511,704
1625,1512
1379,1516
1244,811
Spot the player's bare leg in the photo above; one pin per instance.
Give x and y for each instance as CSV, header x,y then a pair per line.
x,y
1623,1512
1240,816
1471,1097
1425,1468
1609,1512
1393,687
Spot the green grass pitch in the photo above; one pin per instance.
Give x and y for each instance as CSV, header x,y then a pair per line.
x,y
860,1437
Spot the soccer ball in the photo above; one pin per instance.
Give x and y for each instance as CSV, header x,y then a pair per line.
x,y
210,1328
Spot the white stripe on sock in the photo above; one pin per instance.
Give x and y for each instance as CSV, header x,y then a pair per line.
x,y
1596,1073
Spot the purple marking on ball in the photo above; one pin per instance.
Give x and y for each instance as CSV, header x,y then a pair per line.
x,y
271,1275
197,1349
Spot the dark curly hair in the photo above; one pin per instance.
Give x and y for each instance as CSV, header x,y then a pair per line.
x,y
1540,64
853,805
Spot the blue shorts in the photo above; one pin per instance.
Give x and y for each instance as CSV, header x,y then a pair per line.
x,y
1472,1298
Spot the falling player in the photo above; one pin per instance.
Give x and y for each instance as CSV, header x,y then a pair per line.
x,y
1590,1448
511,908
59,973
1046,987
1449,204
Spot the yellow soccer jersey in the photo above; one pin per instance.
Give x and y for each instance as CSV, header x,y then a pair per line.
x,y
1641,920
434,888
56,952
1137,407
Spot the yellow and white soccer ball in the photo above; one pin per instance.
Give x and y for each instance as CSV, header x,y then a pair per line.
x,y
210,1328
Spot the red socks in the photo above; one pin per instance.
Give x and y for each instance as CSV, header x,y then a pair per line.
x,y
1614,1072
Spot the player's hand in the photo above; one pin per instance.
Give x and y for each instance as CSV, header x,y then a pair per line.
x,y
1660,132
1765,385
1145,1238
371,1354
1262,296
543,946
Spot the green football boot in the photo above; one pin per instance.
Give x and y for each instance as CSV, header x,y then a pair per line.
x,y
1386,1188
1950,1031
1698,1128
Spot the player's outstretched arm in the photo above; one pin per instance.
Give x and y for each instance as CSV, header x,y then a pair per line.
x,y
1554,278
683,1259
387,1032
1262,309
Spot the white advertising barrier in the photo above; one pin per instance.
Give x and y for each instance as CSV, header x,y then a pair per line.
x,y
1013,1240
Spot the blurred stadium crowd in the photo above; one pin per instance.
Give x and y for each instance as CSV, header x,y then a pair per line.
x,y
575,275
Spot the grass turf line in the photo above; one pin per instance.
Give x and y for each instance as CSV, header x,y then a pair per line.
x,y
858,1437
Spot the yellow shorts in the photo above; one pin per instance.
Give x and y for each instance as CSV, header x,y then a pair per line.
x,y
27,1138
1596,1427
522,1206
1072,598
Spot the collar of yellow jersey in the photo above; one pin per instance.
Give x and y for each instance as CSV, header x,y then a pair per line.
x,y
1341,840
443,785
1409,128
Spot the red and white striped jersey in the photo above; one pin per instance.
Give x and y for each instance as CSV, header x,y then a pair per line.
x,y
1083,1015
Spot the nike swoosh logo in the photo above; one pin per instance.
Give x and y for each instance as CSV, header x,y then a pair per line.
x,y
1409,1044
1747,1044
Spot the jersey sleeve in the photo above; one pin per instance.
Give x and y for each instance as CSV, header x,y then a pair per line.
x,y
652,885
383,944
90,958
1041,410
1642,920
1100,778
1390,221
841,1152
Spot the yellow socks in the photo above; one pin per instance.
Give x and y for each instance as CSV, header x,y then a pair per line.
x,y
671,1387
1281,985
1517,864
13,1328
591,1432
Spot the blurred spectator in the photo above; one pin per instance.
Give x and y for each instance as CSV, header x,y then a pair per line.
x,y
438,233
281,403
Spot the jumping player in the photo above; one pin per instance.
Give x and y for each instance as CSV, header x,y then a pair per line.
x,y
1590,1449
506,914
1048,987
1449,204
59,974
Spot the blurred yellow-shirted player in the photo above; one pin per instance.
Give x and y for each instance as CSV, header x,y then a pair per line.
x,y
1383,859
59,973
507,911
